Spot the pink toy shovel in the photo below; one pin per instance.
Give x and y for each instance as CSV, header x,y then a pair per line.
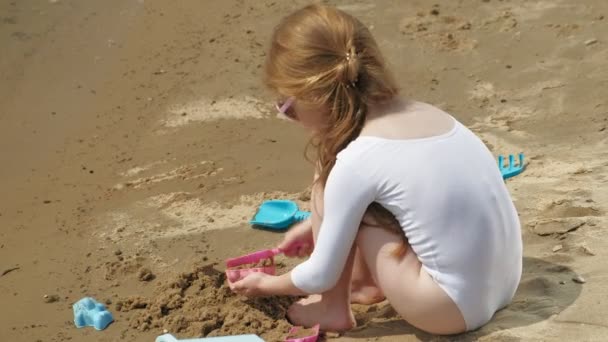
x,y
265,257
311,338
261,261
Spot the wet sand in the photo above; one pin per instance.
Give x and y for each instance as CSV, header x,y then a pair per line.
x,y
137,135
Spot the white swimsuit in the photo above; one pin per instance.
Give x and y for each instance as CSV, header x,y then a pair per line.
x,y
448,195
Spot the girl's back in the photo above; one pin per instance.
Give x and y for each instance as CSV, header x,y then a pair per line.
x,y
448,195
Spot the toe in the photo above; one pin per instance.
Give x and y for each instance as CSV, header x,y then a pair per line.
x,y
292,314
288,317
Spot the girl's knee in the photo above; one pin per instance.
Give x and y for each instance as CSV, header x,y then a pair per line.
x,y
379,217
377,238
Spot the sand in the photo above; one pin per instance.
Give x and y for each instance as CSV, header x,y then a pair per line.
x,y
137,140
199,303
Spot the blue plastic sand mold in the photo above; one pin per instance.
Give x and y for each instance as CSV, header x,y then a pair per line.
x,y
238,338
278,214
89,312
511,170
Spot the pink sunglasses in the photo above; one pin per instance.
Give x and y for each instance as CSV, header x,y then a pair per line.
x,y
284,108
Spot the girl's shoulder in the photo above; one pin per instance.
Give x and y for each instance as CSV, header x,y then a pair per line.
x,y
359,150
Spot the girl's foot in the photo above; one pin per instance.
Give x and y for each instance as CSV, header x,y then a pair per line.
x,y
314,310
366,295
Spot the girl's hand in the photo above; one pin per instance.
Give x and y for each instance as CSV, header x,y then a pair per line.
x,y
298,241
252,285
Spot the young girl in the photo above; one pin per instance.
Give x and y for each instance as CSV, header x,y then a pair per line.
x,y
408,204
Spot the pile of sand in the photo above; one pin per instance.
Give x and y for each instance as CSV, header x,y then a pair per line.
x,y
200,304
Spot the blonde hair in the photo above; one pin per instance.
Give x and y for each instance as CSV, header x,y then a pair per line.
x,y
326,57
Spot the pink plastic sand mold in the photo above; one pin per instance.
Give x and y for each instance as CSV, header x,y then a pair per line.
x,y
253,258
311,338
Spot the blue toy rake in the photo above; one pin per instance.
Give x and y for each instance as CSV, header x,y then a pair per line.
x,y
511,170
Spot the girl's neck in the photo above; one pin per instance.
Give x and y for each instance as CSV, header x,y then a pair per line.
x,y
396,105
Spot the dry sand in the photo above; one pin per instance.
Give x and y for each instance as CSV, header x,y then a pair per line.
x,y
137,140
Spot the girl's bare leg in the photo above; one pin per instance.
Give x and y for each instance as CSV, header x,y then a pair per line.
x,y
407,286
363,286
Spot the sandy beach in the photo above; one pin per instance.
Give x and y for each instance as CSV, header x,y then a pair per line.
x,y
138,140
